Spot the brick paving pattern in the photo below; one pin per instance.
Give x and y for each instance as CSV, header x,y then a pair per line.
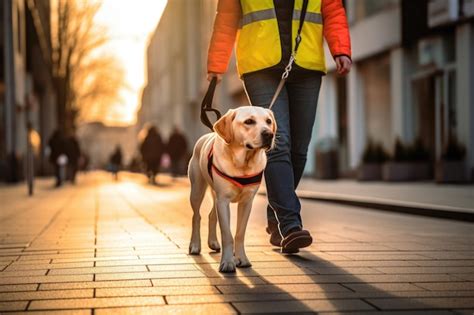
x,y
121,247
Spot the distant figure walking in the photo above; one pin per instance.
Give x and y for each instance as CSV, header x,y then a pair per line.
x,y
116,162
152,149
73,153
57,155
177,148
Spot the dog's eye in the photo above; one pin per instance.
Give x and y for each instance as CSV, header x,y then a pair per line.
x,y
269,121
249,122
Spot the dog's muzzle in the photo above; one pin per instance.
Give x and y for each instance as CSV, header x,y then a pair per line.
x,y
267,139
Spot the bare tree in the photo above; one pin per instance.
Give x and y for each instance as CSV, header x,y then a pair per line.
x,y
96,86
81,76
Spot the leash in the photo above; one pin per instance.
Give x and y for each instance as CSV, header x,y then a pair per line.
x,y
206,105
288,67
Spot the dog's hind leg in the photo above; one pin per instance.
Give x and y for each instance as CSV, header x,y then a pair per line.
x,y
212,241
198,191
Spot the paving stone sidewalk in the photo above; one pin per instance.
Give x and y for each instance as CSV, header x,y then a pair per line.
x,y
105,247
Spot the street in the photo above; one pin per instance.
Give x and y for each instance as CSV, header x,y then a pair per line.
x,y
105,247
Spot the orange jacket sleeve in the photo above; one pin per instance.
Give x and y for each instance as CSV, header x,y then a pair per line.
x,y
223,37
335,27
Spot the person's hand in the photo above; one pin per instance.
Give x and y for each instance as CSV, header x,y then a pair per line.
x,y
343,65
211,75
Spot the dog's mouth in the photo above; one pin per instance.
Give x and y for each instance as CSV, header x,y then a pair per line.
x,y
267,146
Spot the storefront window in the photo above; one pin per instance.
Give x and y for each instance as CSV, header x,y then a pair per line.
x,y
375,73
449,45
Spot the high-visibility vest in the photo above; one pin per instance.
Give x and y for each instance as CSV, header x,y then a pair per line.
x,y
258,43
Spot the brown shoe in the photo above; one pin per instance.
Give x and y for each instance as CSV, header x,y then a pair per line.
x,y
275,236
295,240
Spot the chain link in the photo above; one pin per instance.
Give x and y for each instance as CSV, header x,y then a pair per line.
x,y
288,67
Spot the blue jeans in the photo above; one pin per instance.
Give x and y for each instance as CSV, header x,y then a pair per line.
x,y
295,112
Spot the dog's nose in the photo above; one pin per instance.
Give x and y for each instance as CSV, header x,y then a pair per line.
x,y
267,137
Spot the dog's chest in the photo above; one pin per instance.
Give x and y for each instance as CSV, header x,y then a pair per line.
x,y
243,194
233,193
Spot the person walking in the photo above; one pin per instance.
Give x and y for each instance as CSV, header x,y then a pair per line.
x,y
73,153
266,42
177,148
116,162
57,149
152,150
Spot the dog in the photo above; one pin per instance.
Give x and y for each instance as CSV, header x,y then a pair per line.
x,y
230,161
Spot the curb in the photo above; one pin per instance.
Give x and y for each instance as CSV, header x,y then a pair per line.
x,y
390,205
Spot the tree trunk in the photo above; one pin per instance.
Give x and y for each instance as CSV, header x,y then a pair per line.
x,y
60,85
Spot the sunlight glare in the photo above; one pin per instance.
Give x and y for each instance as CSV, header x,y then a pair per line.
x,y
130,24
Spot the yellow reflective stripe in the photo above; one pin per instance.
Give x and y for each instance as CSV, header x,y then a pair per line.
x,y
309,17
270,14
258,16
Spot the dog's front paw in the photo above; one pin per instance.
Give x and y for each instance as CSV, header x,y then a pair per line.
x,y
242,262
214,245
227,266
194,249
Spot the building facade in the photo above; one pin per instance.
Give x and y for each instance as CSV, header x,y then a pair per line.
x,y
412,78
27,98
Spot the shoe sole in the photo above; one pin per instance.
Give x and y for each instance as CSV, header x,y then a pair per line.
x,y
289,250
296,243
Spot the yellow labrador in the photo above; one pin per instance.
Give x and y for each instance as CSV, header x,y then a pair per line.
x,y
231,161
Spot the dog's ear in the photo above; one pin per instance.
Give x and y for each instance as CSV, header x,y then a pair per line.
x,y
274,122
223,127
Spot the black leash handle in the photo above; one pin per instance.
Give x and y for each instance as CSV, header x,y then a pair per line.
x,y
300,26
206,105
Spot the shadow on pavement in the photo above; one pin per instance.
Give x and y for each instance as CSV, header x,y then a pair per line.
x,y
310,293
308,260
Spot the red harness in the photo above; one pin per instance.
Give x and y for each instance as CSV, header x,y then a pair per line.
x,y
241,181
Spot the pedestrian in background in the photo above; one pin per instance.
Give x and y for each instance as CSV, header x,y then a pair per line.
x,y
152,150
73,153
57,149
116,162
265,43
177,149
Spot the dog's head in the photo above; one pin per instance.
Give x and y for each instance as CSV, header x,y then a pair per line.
x,y
249,126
